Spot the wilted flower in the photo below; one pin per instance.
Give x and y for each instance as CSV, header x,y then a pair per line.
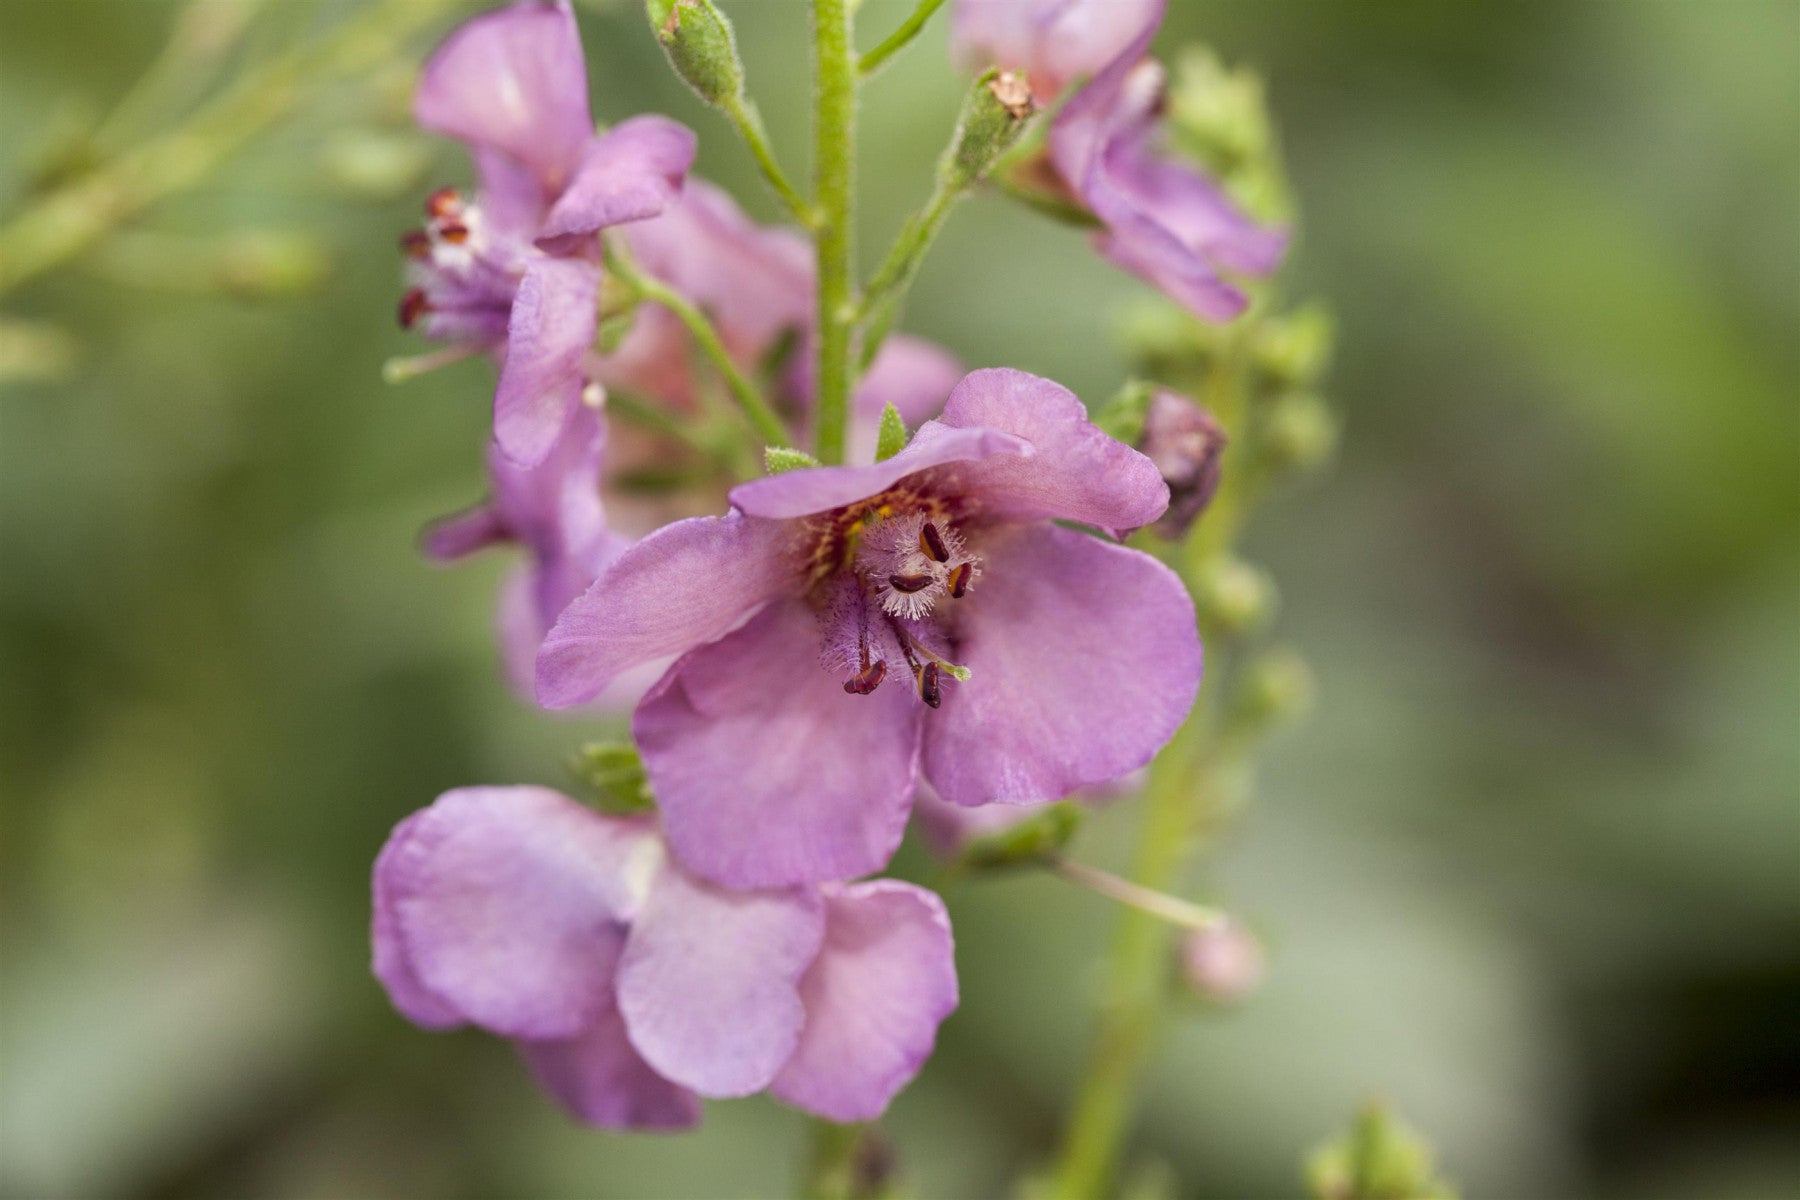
x,y
630,986
513,270
1164,219
1053,42
1223,963
849,627
1186,444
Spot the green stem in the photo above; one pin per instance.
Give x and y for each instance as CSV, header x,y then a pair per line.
x,y
756,410
896,41
748,121
831,1175
72,218
834,167
887,291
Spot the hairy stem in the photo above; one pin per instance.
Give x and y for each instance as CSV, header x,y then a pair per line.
x,y
748,122
834,168
897,41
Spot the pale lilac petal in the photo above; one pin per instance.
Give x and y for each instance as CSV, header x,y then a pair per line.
x,y
766,771
1155,257
507,904
462,534
513,80
1055,42
633,171
1076,473
601,1079
391,963
551,328
1084,662
948,827
685,584
884,981
512,199
819,489
708,984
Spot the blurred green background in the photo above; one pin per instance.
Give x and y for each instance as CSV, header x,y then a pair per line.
x,y
1531,872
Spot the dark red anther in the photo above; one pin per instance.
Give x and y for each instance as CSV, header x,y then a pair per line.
x,y
929,691
906,585
932,543
416,243
445,202
413,305
959,580
868,680
454,232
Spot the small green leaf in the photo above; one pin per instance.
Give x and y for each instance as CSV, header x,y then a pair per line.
x,y
615,774
893,434
777,459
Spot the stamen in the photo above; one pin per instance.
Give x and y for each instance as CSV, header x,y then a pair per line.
x,y
959,580
443,203
416,243
413,305
928,685
869,679
932,543
454,232
906,585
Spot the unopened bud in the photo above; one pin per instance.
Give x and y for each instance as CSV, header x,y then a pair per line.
x,y
1223,964
1218,115
1380,1157
993,116
1187,446
1300,433
1233,597
1277,687
1293,350
701,47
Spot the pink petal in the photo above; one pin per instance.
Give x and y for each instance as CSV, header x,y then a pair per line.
x,y
633,171
683,585
767,773
1076,473
392,966
450,538
505,904
551,328
602,1080
708,982
1084,662
884,981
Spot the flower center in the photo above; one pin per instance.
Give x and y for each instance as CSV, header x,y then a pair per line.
x,y
463,277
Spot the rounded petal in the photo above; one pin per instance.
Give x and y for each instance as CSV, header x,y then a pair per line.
x,y
391,963
685,584
633,171
513,80
767,773
884,981
1084,661
602,1080
708,984
506,904
551,327
1076,473
820,489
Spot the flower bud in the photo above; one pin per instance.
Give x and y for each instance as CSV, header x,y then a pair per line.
x,y
993,116
1276,687
1380,1156
1218,115
1293,350
1299,434
1186,444
701,47
1233,597
1224,964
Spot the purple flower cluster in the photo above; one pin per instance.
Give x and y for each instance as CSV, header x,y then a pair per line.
x,y
958,621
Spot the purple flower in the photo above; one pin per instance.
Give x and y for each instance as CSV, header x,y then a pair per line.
x,y
1165,221
849,628
1054,42
513,271
1186,444
554,512
630,986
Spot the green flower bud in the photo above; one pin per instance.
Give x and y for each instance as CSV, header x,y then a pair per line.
x,y
701,47
1233,597
1299,433
1276,688
1294,350
1380,1158
994,114
1122,417
615,774
1218,115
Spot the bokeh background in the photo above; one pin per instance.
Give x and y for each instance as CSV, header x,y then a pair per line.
x,y
1531,871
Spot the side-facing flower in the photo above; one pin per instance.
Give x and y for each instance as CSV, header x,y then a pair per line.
x,y
514,270
631,986
848,628
554,512
1053,42
1164,219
